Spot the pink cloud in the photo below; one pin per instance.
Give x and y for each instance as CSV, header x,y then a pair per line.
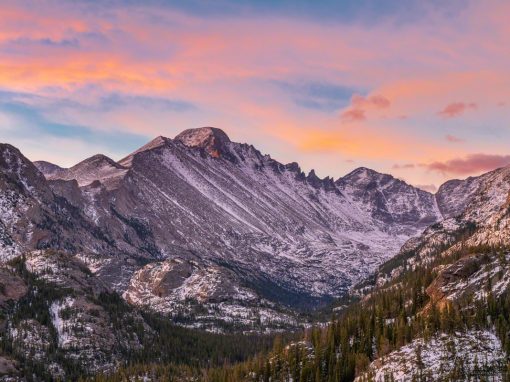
x,y
403,166
456,108
360,105
470,164
375,102
353,115
453,139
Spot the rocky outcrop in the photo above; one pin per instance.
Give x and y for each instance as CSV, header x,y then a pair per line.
x,y
12,287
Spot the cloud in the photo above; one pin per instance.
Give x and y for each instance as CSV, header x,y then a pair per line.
x,y
353,115
456,109
453,139
361,104
345,11
118,100
403,166
470,164
372,102
427,187
27,121
318,95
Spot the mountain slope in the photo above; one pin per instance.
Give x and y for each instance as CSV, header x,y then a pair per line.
x,y
476,214
32,216
60,322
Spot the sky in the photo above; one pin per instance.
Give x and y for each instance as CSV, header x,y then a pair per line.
x,y
417,89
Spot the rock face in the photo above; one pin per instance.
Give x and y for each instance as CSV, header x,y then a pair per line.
x,y
62,318
220,302
390,201
210,139
468,277
33,217
12,287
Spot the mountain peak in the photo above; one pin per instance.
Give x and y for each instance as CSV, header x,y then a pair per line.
x,y
155,143
49,169
96,161
211,139
364,171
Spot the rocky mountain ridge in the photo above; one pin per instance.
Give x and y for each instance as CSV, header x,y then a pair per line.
x,y
287,236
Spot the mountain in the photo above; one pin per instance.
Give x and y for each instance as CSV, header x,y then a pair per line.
x,y
33,217
390,201
476,212
438,311
208,233
60,322
96,168
271,233
466,258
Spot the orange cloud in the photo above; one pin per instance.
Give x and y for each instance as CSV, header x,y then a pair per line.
x,y
456,108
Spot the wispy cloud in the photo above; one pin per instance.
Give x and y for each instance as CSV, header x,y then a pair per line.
x,y
453,139
376,101
360,105
353,115
27,121
403,166
456,109
317,95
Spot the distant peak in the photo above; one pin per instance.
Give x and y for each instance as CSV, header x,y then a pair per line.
x,y
96,160
363,173
42,164
48,169
211,139
155,143
365,170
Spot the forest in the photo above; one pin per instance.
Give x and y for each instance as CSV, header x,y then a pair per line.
x,y
381,322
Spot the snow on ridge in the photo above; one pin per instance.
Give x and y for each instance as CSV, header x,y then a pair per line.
x,y
439,356
56,309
